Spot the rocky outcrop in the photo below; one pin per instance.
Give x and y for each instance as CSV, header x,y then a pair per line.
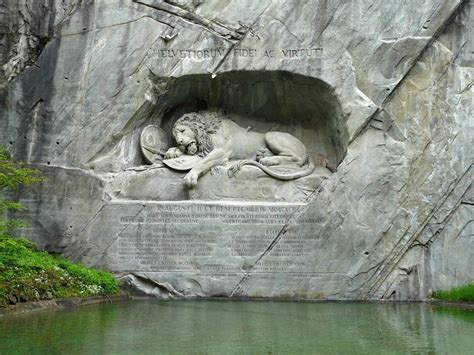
x,y
382,89
26,27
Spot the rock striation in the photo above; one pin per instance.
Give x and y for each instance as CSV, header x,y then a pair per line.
x,y
379,93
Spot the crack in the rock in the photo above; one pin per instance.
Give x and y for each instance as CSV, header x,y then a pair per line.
x,y
376,280
249,30
425,245
462,230
69,252
287,29
71,12
431,15
191,17
351,278
123,230
445,221
91,219
328,23
434,37
291,219
466,88
116,25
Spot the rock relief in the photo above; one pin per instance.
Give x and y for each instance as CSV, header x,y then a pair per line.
x,y
205,141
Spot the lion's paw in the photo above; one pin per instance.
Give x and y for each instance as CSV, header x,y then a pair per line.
x,y
269,161
191,179
173,153
234,169
215,171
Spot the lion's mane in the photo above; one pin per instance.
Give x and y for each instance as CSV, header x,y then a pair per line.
x,y
203,128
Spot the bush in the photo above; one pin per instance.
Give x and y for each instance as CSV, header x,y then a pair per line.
x,y
13,175
464,293
27,274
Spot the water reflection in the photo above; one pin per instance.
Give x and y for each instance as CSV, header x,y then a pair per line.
x,y
240,327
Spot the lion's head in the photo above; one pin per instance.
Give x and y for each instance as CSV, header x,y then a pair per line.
x,y
192,133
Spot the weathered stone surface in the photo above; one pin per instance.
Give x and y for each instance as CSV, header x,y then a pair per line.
x,y
25,28
250,184
382,90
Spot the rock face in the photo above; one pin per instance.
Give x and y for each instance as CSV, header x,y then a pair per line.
x,y
379,92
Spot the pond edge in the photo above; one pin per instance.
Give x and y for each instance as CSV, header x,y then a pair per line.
x,y
62,303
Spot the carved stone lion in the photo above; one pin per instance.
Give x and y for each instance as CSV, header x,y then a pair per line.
x,y
219,141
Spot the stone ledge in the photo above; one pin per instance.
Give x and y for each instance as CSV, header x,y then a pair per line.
x,y
61,303
250,184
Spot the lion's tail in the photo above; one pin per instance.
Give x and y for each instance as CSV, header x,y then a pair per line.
x,y
291,176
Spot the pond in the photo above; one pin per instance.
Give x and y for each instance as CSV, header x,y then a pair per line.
x,y
236,327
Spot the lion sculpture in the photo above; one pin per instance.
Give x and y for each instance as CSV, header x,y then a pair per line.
x,y
219,141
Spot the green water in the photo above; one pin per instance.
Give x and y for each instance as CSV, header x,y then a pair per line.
x,y
237,327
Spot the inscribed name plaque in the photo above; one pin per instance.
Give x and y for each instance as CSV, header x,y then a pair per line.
x,y
215,244
190,236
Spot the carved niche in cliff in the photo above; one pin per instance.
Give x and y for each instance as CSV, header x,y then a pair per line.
x,y
262,137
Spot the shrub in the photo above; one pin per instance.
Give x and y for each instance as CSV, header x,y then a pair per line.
x,y
464,293
13,175
28,274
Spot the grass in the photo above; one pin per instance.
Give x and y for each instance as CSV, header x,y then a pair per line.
x,y
464,293
29,274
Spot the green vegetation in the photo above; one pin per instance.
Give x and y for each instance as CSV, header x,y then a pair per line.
x,y
464,293
27,273
13,175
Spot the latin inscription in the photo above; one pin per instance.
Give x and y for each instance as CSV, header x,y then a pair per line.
x,y
208,53
208,238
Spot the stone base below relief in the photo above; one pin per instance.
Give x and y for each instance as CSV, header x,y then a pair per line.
x,y
159,183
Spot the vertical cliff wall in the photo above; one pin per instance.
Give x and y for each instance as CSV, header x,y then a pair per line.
x,y
383,90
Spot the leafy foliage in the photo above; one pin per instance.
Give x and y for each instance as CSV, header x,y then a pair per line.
x,y
27,273
464,293
13,175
